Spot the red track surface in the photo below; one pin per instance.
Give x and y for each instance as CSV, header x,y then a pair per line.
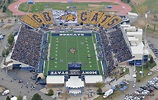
x,y
122,8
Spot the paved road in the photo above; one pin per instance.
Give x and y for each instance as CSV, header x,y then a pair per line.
x,y
153,39
15,87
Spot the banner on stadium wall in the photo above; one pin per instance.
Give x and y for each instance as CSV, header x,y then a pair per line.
x,y
86,72
137,62
72,34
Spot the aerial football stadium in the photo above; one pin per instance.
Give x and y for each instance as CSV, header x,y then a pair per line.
x,y
73,48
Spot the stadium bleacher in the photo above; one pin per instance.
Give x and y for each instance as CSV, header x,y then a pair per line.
x,y
27,20
115,49
48,17
27,48
65,17
112,22
36,18
119,46
105,17
95,16
83,17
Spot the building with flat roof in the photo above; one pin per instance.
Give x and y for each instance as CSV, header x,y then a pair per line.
x,y
134,39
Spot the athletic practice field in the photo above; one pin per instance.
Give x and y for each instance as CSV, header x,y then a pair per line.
x,y
40,6
65,48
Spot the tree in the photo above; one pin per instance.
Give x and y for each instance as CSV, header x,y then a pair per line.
x,y
8,98
1,20
126,1
19,97
5,52
8,1
99,91
151,60
36,97
4,9
141,10
50,92
99,84
10,39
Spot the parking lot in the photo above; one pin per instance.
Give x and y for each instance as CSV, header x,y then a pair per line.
x,y
144,91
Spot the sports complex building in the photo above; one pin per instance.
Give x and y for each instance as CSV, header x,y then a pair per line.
x,y
76,48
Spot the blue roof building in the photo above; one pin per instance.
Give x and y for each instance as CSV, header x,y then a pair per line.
x,y
30,2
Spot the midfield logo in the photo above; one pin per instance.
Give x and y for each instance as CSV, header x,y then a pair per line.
x,y
72,50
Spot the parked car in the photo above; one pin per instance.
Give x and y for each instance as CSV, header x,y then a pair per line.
x,y
150,73
5,92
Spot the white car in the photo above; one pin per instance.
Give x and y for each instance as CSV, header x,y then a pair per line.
x,y
5,92
134,85
150,73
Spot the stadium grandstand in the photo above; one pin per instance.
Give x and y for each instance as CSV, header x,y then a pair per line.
x,y
28,43
75,46
134,37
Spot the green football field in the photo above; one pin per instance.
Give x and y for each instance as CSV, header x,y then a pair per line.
x,y
67,49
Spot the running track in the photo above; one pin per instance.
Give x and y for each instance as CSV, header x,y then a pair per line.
x,y
122,8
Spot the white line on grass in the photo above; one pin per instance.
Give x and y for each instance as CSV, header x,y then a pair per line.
x,y
96,56
49,52
66,51
78,50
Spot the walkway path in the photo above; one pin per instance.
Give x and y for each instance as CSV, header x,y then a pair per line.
x,y
122,8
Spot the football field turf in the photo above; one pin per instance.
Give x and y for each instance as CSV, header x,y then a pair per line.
x,y
67,49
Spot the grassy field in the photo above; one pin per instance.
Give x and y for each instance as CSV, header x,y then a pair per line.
x,y
146,70
37,7
65,49
150,4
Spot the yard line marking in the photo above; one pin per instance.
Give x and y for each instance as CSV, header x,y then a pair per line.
x,y
66,50
49,52
56,54
78,50
95,56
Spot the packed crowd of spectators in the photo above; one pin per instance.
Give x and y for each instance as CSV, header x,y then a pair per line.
x,y
115,49
28,47
107,52
119,46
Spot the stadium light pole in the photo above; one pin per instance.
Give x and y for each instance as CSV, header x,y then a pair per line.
x,y
146,16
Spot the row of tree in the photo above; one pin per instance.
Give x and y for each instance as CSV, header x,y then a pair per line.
x,y
126,1
35,97
4,3
6,51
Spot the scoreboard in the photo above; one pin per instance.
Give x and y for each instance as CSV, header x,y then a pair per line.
x,y
74,69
